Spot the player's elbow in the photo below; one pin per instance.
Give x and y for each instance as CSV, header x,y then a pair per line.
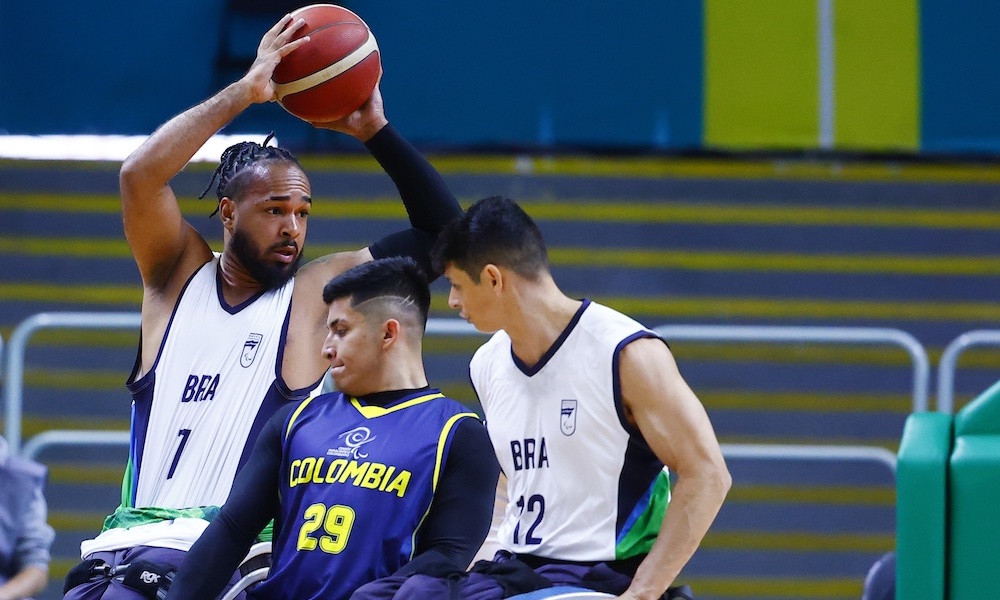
x,y
712,480
725,480
130,175
136,175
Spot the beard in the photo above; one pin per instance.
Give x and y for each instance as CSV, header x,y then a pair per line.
x,y
271,275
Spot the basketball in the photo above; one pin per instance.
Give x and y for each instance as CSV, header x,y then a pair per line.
x,y
332,74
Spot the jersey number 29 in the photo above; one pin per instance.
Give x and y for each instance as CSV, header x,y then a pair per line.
x,y
336,522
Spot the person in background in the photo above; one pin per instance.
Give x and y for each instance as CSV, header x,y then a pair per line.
x,y
25,535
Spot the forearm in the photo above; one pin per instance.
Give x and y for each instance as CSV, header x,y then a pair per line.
x,y
211,562
694,503
28,582
252,503
172,145
429,202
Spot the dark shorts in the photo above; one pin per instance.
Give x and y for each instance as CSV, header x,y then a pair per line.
x,y
503,577
507,576
113,589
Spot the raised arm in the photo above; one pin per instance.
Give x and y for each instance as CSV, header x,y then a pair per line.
x,y
166,248
429,203
674,424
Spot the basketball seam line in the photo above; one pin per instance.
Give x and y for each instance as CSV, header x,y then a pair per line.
x,y
328,73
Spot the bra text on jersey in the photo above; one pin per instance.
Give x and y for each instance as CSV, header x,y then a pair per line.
x,y
529,454
370,475
200,388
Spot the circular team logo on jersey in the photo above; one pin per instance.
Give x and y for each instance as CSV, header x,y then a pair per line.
x,y
567,417
356,438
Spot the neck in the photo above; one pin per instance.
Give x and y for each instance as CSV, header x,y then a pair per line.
x,y
237,283
539,315
390,396
405,372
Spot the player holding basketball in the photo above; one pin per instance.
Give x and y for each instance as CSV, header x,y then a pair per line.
x,y
385,477
584,407
228,338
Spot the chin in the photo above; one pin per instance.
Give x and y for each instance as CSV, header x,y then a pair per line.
x,y
483,328
346,388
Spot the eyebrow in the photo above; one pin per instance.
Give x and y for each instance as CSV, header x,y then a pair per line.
x,y
287,199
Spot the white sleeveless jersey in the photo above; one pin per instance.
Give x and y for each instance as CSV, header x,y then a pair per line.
x,y
216,381
580,485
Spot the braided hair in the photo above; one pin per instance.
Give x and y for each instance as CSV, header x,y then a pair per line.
x,y
235,161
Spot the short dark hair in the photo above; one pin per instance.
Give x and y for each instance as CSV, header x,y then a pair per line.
x,y
396,278
234,166
494,230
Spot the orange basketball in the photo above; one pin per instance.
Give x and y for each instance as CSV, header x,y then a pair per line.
x,y
332,74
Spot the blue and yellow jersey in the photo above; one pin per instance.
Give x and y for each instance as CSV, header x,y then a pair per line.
x,y
356,483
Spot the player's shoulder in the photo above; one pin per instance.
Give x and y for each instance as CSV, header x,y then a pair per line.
x,y
609,325
449,404
497,345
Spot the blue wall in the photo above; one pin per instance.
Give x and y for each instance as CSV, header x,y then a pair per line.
x,y
961,76
457,74
102,67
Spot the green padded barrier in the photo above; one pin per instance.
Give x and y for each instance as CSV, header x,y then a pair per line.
x,y
974,497
981,415
921,511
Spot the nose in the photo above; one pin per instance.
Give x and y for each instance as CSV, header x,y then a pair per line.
x,y
453,299
329,352
293,227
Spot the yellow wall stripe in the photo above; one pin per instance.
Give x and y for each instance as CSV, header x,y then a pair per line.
x,y
798,541
708,307
584,210
636,258
633,167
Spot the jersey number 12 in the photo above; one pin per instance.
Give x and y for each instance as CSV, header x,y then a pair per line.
x,y
536,506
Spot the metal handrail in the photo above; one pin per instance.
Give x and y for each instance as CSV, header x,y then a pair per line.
x,y
832,335
811,452
799,452
14,364
14,360
73,437
949,362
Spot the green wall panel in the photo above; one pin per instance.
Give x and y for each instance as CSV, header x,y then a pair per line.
x,y
877,83
761,74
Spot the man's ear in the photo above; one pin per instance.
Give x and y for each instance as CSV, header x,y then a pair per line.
x,y
492,277
390,332
227,212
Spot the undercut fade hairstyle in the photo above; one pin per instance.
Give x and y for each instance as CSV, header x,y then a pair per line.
x,y
494,230
236,167
394,285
